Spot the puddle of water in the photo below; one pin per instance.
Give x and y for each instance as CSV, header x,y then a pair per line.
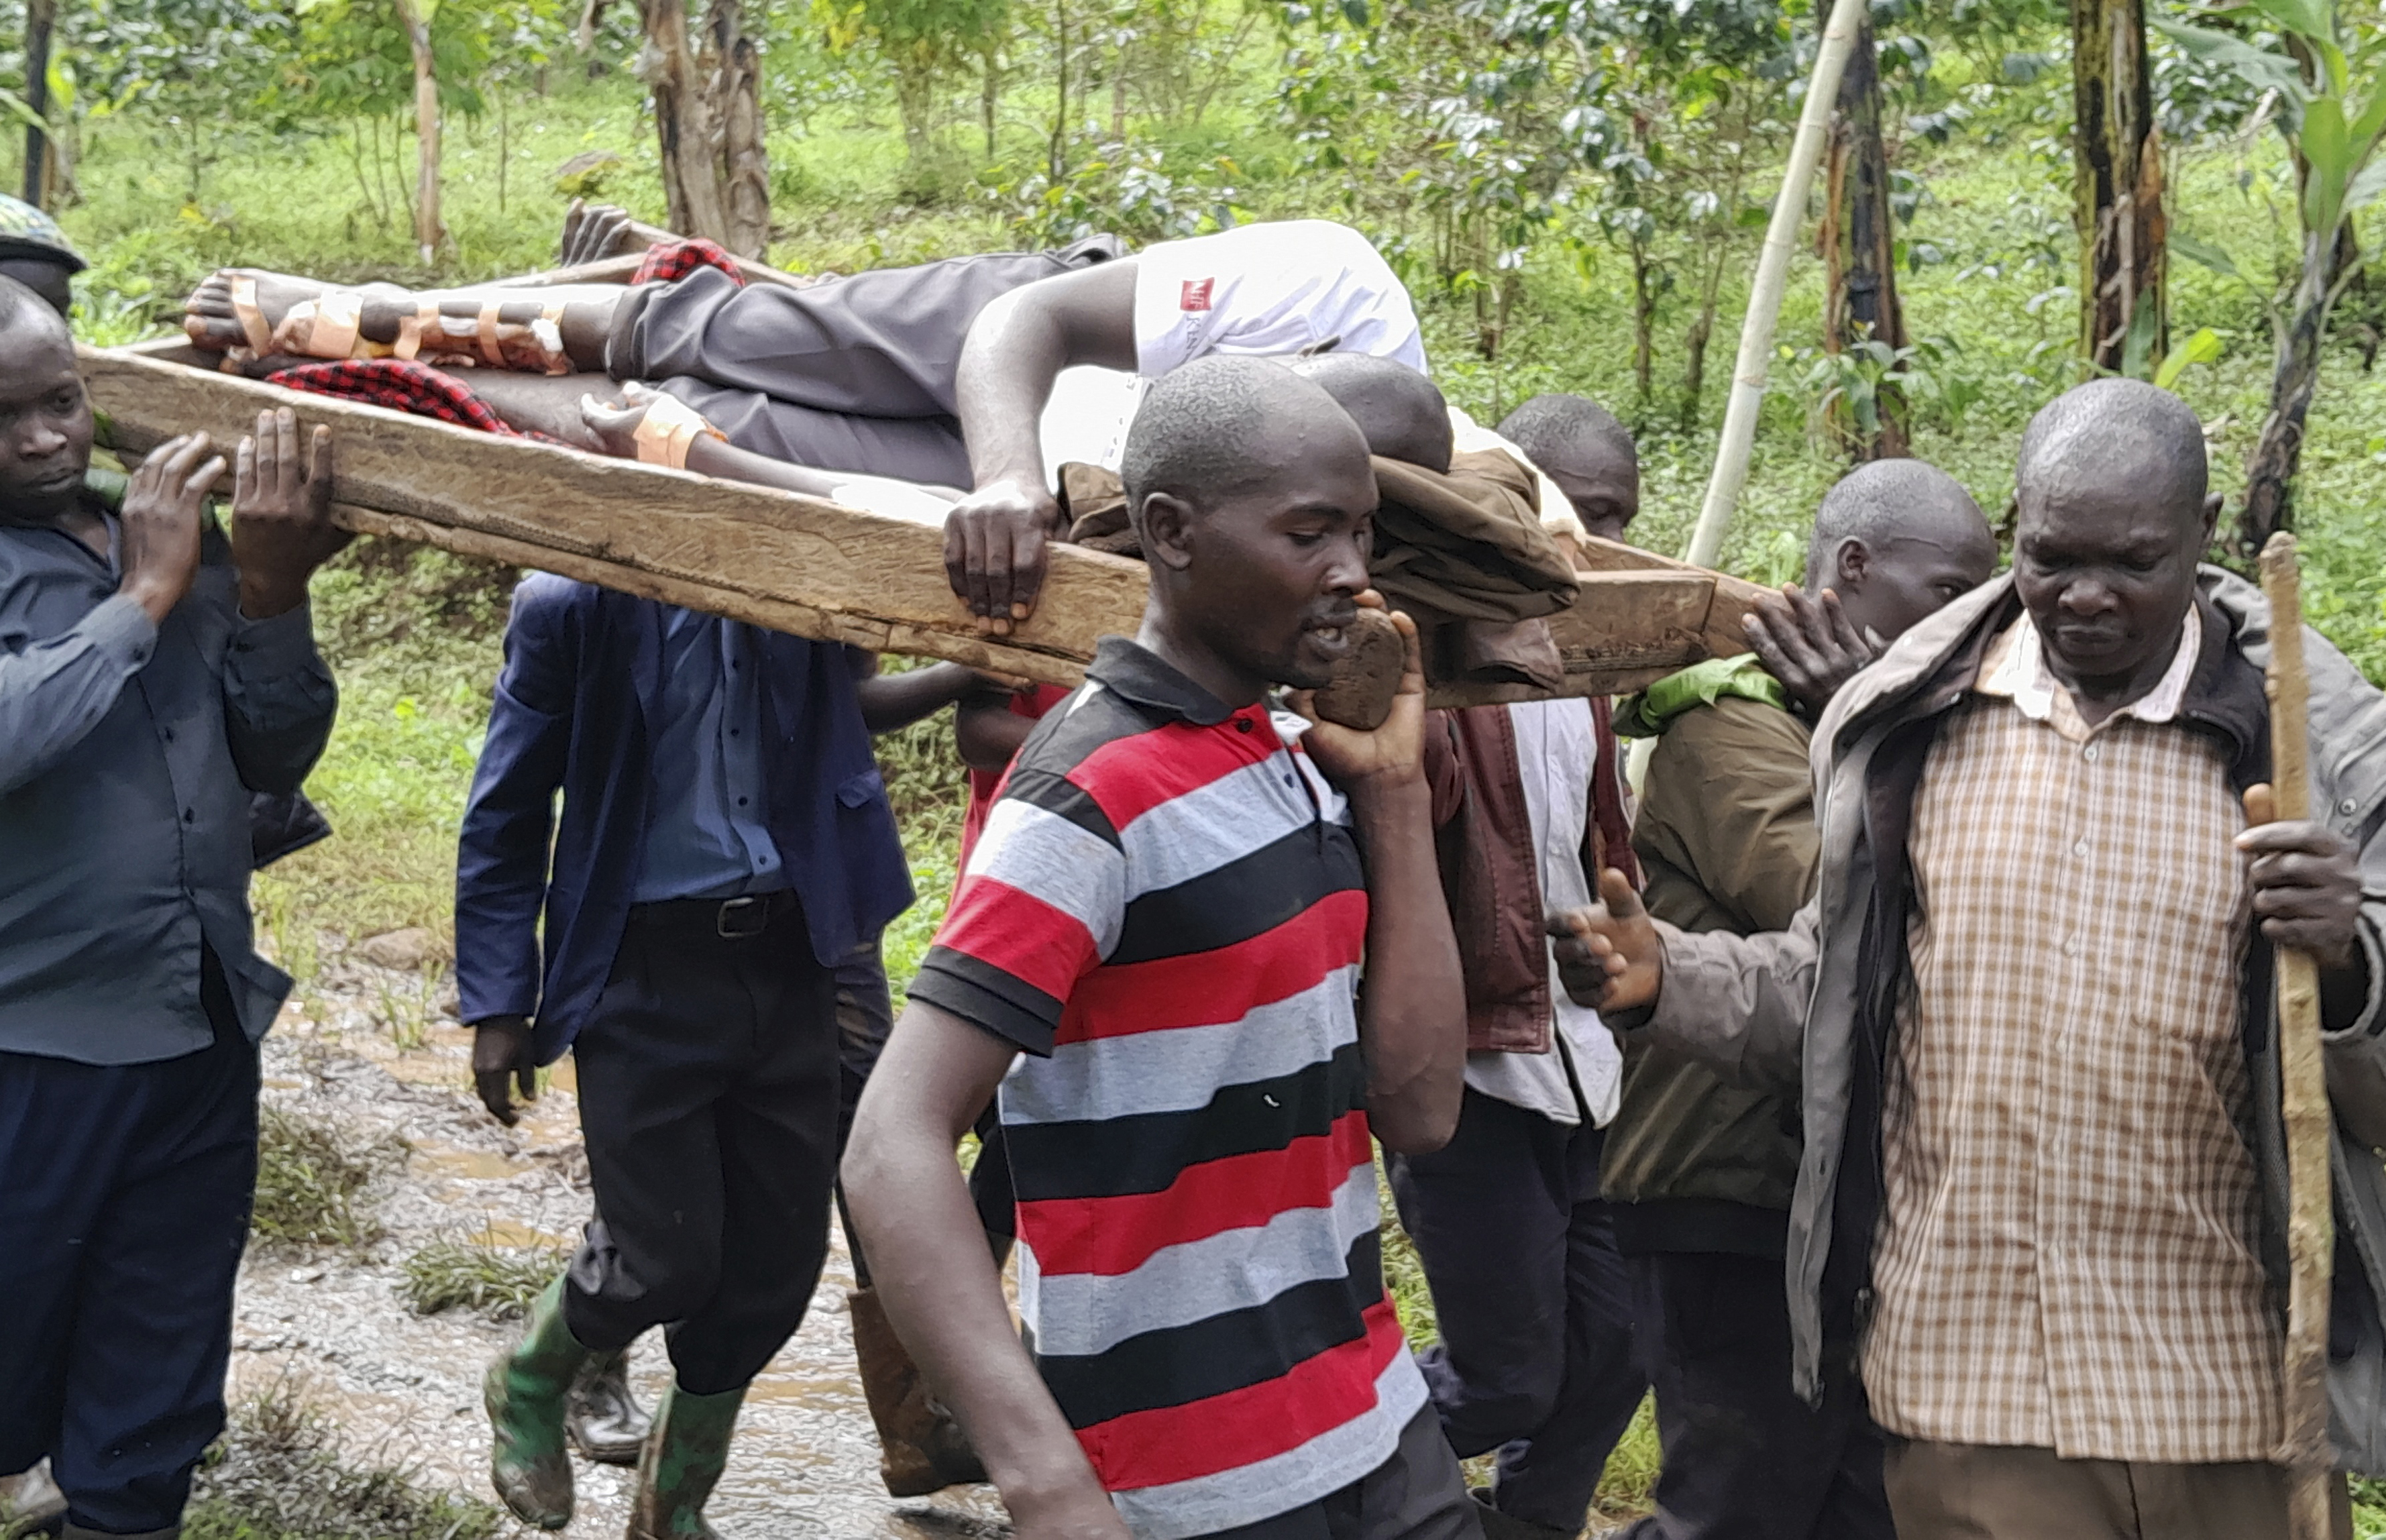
x,y
477,1165
504,1232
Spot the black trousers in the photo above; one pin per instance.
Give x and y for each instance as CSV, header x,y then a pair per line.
x,y
1745,1457
709,1103
124,1204
853,374
1536,1358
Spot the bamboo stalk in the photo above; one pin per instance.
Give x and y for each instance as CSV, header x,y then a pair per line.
x,y
1772,277
2311,1228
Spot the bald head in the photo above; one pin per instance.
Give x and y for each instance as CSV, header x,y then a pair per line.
x,y
1896,540
1401,412
2112,433
1885,501
1219,427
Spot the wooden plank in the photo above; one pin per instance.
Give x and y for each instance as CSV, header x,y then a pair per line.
x,y
794,563
803,564
1719,632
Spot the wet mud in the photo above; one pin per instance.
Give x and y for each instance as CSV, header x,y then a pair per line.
x,y
333,1325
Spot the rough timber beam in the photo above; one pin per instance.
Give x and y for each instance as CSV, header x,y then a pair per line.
x,y
796,563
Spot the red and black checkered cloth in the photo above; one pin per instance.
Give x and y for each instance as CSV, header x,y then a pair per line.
x,y
402,385
420,390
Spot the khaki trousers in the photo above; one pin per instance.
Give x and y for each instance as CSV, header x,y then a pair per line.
x,y
1985,1492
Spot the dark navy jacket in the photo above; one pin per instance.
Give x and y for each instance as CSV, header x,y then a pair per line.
x,y
581,674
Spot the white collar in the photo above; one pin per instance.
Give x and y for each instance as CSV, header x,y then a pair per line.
x,y
2016,668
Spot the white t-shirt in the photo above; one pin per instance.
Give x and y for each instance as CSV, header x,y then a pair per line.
x,y
1262,290
1269,290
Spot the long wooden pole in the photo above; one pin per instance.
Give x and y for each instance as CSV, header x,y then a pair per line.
x,y
2311,1226
40,18
1772,277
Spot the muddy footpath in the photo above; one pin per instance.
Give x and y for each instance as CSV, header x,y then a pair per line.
x,y
376,1052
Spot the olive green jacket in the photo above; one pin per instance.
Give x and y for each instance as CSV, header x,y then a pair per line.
x,y
1725,836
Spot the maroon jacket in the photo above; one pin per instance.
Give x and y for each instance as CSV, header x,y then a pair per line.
x,y
1483,835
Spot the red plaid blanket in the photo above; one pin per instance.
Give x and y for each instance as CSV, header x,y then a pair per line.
x,y
679,258
402,385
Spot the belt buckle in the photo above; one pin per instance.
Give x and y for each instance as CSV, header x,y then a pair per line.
x,y
742,918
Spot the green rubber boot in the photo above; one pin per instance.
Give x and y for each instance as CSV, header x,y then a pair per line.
x,y
529,1463
682,1463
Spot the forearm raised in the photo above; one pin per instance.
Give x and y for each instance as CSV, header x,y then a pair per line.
x,y
1412,1020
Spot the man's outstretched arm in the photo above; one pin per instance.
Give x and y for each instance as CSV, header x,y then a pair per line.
x,y
1735,1003
1018,345
929,1260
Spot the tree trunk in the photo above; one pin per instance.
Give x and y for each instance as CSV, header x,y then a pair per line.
x,y
1057,152
1644,320
682,123
415,16
915,102
989,93
735,79
1118,95
2116,185
2270,475
40,18
1859,244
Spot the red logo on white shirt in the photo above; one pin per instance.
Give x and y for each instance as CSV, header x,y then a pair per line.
x,y
1197,294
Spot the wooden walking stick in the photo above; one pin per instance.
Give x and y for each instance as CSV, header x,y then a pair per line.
x,y
2311,1223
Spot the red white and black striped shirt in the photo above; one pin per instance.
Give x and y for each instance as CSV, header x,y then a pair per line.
x,y
1167,911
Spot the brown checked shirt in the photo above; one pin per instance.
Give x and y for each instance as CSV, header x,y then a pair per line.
x,y
2067,1257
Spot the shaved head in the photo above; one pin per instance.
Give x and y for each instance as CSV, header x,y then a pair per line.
x,y
1219,427
1898,540
1578,445
2116,432
1886,500
1401,412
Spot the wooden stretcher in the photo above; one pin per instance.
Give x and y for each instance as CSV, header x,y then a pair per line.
x,y
800,565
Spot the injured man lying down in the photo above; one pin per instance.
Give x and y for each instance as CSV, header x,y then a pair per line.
x,y
853,387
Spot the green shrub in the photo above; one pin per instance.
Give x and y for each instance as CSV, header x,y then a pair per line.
x,y
309,1177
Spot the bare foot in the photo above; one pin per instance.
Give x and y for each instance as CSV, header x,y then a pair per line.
x,y
208,316
594,231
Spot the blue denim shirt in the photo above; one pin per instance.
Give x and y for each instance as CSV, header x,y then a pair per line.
x,y
707,829
128,753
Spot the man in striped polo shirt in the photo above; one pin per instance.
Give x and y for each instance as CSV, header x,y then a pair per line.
x,y
1166,914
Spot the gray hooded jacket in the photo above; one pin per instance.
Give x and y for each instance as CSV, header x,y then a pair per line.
x,y
1814,1007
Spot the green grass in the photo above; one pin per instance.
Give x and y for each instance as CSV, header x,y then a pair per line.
x,y
310,1181
281,1473
498,1280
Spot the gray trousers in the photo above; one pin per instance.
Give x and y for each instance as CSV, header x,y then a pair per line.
x,y
853,373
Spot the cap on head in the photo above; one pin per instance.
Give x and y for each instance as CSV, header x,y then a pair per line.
x,y
1220,426
1878,502
25,231
1401,412
2115,433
